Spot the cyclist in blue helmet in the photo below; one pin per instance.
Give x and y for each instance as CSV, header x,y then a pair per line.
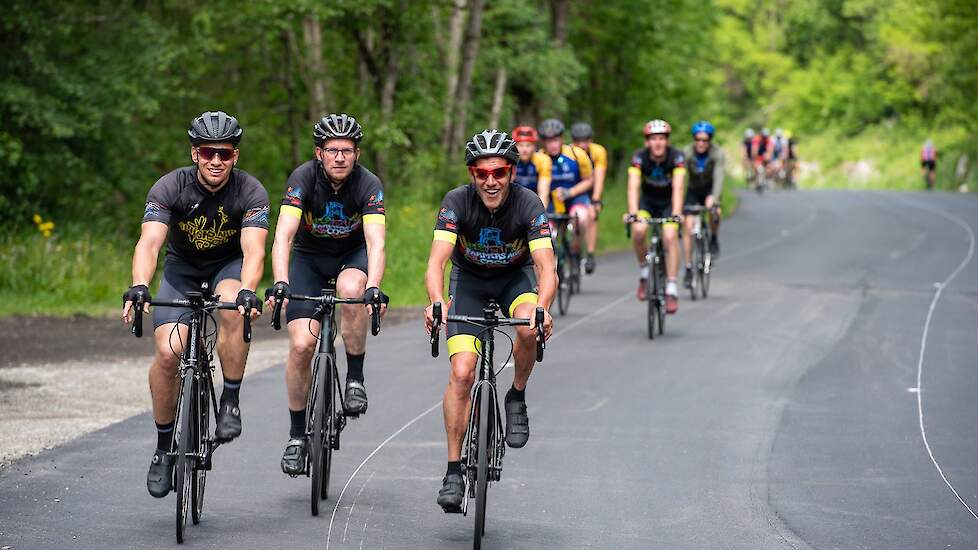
x,y
705,166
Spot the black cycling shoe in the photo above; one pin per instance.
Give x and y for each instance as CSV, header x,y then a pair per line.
x,y
688,278
159,480
228,422
589,264
294,457
517,424
451,494
355,399
714,247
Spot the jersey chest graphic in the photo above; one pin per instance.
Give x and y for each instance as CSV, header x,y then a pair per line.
x,y
205,234
333,222
490,249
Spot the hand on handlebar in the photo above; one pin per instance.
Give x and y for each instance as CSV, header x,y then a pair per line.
x,y
548,324
374,295
429,319
135,293
248,303
279,292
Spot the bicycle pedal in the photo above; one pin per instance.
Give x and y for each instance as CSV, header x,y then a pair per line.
x,y
452,510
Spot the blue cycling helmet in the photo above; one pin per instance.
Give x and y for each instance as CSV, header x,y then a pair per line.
x,y
705,127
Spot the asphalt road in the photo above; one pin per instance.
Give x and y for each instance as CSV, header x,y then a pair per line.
x,y
795,408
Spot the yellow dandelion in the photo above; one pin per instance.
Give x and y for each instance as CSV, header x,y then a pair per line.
x,y
38,219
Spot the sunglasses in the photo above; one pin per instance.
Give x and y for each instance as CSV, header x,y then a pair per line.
x,y
482,174
702,140
207,153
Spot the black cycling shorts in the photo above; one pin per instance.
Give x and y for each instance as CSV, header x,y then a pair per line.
x,y
695,197
928,164
180,277
309,274
470,293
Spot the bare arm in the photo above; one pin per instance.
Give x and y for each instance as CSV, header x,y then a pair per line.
x,y
678,182
434,279
543,189
545,266
375,234
719,167
599,175
582,187
634,186
151,238
253,247
285,230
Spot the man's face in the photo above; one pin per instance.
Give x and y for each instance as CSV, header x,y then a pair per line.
x,y
526,149
583,143
657,144
552,145
338,157
701,142
214,169
491,177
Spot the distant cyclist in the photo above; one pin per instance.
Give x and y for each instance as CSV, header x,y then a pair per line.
x,y
705,166
583,137
571,180
498,238
747,154
332,225
213,218
928,163
534,168
792,159
655,189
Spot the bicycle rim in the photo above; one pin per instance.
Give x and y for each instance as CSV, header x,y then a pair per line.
x,y
183,469
651,297
563,287
199,479
482,471
697,262
660,278
329,425
705,274
316,438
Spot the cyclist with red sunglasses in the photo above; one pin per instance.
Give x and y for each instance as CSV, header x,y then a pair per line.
x,y
213,218
497,235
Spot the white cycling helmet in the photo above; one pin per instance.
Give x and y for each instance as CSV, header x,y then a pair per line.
x,y
777,132
657,126
749,133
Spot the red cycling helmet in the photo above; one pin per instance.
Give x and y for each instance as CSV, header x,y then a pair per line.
x,y
525,133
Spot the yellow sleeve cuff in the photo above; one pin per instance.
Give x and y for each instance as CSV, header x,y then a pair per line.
x,y
292,211
447,236
375,218
634,171
542,242
678,171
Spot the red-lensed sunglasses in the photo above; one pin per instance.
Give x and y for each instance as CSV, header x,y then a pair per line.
x,y
498,173
207,153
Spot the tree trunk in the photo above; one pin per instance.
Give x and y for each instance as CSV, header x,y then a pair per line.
x,y
455,26
288,82
387,94
319,86
470,51
498,95
558,20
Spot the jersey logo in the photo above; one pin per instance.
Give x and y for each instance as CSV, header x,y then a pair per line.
x,y
334,223
491,250
256,215
448,219
294,196
152,210
204,236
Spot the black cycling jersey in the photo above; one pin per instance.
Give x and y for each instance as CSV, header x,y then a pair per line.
x,y
657,175
331,222
491,243
704,174
205,227
748,147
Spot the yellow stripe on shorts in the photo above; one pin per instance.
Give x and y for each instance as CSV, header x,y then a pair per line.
x,y
463,342
525,298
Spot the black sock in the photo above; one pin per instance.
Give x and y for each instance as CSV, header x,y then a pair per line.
x,y
516,395
298,421
713,238
454,467
231,389
164,436
354,367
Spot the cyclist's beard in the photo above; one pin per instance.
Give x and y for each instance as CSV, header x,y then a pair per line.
x,y
208,185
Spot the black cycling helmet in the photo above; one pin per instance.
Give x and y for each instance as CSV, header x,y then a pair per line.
x,y
215,127
551,128
491,143
337,126
581,130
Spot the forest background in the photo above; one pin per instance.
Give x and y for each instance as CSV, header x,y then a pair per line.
x,y
96,97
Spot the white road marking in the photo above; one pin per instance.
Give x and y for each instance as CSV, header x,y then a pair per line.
x,y
784,234
601,403
354,505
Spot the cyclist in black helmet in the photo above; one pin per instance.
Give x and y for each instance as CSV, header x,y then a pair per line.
x,y
332,225
214,219
497,235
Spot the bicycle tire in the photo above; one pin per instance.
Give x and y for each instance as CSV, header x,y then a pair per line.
x,y
199,479
660,294
575,274
330,429
697,262
653,304
482,470
563,284
707,266
316,437
183,468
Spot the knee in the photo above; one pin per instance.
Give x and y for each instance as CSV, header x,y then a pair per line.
x,y
303,348
167,361
347,288
526,336
462,377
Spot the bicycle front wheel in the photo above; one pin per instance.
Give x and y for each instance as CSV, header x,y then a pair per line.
x,y
317,426
697,261
660,292
482,470
705,269
183,469
331,432
563,285
199,479
652,299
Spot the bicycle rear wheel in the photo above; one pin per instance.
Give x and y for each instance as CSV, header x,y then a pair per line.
x,y
183,469
660,291
705,268
697,262
317,429
482,469
199,479
563,283
575,273
652,301
331,426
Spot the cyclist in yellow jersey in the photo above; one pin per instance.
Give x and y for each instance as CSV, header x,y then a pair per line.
x,y
571,177
583,135
533,168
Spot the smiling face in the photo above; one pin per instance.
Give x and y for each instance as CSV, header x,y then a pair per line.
x,y
492,190
526,149
214,171
701,142
657,144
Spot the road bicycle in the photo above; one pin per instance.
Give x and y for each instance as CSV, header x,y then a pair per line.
x,y
655,258
325,411
702,259
483,446
568,262
193,443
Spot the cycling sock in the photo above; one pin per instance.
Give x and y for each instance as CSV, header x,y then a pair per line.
x,y
671,287
164,436
354,367
713,238
643,271
689,267
454,467
231,389
298,421
516,395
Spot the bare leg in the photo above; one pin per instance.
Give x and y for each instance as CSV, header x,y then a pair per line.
x,y
351,284
164,382
638,242
669,238
688,223
302,346
525,348
231,347
455,405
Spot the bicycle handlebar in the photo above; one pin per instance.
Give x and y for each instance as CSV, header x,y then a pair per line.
x,y
328,299
487,322
137,323
634,218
